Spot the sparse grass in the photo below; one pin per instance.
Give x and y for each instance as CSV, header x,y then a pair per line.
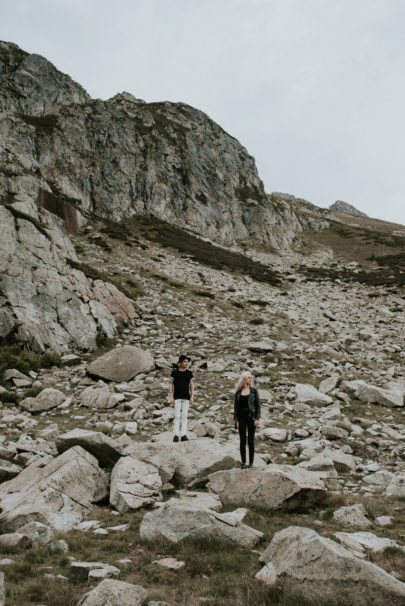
x,y
32,392
14,356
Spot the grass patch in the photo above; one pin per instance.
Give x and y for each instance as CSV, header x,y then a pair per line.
x,y
14,356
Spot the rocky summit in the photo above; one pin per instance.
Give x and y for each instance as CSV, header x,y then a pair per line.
x,y
131,233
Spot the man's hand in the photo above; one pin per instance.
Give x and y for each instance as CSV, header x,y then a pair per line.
x,y
191,400
256,422
172,401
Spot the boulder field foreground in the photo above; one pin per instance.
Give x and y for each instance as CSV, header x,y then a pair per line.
x,y
133,232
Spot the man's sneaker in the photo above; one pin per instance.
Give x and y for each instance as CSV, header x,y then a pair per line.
x,y
176,439
243,466
184,438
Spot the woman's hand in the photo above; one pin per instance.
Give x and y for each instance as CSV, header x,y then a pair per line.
x,y
237,424
256,422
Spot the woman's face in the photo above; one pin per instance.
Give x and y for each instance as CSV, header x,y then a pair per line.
x,y
248,380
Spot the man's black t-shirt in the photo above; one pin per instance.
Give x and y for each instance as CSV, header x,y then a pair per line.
x,y
181,383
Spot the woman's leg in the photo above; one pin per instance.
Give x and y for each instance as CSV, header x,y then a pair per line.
x,y
251,440
242,437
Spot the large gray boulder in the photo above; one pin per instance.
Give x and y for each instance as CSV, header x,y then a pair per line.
x,y
176,521
58,491
106,450
187,464
308,394
134,484
100,397
47,399
114,593
391,397
323,571
277,487
121,364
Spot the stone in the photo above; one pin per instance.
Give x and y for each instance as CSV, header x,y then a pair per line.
x,y
267,575
283,487
308,394
2,589
333,432
262,347
58,546
8,470
362,542
134,484
12,373
391,398
320,569
328,384
274,434
188,463
353,515
121,364
14,542
344,463
85,570
100,397
106,450
57,491
114,593
47,399
40,534
176,521
396,486
325,468
170,563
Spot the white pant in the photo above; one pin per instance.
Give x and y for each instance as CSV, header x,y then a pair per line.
x,y
180,408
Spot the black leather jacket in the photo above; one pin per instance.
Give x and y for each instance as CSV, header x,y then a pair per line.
x,y
253,401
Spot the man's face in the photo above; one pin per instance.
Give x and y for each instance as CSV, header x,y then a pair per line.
x,y
183,364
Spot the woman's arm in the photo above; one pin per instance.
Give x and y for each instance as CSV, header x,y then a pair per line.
x,y
257,406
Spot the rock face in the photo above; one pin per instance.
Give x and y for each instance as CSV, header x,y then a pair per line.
x,y
320,569
175,521
276,487
106,450
57,492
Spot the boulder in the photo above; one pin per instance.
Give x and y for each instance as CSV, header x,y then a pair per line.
x,y
14,542
262,347
274,434
354,515
176,521
321,570
328,384
187,464
308,394
8,470
277,487
392,397
332,432
86,570
106,450
134,484
57,491
396,486
121,364
115,593
47,399
325,469
40,534
100,397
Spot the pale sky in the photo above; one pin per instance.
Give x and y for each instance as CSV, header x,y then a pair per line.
x,y
314,89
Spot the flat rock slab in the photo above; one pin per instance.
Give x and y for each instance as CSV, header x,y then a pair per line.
x,y
176,521
323,571
115,593
134,484
276,487
363,542
46,400
121,364
57,491
187,464
106,450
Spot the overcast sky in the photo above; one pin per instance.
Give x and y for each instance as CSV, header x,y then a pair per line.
x,y
314,89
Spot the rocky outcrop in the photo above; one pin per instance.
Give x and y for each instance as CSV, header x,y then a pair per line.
x,y
343,207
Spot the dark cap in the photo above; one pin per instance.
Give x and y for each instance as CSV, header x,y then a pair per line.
x,y
181,358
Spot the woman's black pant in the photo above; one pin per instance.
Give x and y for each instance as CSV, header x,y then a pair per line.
x,y
248,424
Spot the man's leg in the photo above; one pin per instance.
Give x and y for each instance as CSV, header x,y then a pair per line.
x,y
251,440
184,411
242,436
177,409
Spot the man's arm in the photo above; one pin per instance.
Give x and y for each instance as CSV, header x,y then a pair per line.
x,y
171,392
192,390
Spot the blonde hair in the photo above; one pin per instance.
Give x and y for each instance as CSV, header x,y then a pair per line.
x,y
242,379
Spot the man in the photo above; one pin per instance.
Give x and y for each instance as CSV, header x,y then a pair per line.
x,y
181,393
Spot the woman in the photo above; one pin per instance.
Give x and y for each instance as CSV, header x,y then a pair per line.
x,y
246,415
